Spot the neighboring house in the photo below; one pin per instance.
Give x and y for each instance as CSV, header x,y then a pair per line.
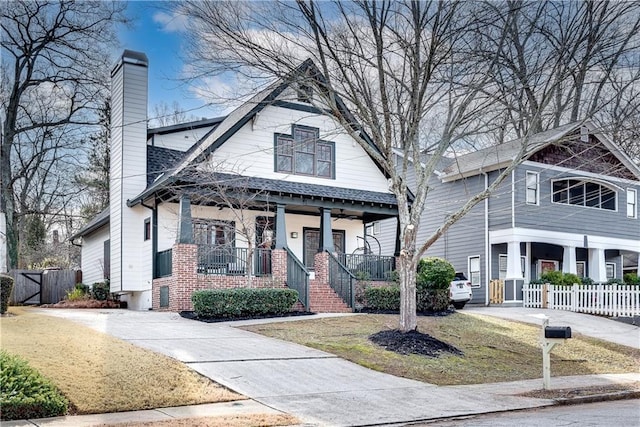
x,y
572,205
273,191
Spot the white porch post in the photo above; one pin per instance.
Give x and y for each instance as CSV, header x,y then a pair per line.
x,y
569,260
514,268
597,267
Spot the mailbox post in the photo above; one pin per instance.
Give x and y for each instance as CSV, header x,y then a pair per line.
x,y
550,336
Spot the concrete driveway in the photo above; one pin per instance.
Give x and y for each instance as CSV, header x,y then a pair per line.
x,y
315,386
586,324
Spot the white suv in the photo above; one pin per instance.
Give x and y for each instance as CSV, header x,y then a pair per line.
x,y
460,291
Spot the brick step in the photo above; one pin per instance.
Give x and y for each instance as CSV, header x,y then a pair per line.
x,y
323,299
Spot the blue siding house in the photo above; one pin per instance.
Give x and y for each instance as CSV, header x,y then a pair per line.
x,y
571,205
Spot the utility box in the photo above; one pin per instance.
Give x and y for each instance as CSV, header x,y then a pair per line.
x,y
562,332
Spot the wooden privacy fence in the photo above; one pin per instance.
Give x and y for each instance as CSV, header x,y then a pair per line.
x,y
602,299
42,286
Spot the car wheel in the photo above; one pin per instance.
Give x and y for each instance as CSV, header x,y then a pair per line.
x,y
459,305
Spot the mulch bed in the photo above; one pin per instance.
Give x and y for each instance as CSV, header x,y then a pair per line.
x,y
191,315
413,342
88,303
446,312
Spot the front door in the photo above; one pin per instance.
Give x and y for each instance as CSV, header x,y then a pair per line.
x,y
311,238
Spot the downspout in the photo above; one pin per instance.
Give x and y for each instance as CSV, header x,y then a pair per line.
x,y
487,245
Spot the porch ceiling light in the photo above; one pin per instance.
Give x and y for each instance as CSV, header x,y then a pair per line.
x,y
294,234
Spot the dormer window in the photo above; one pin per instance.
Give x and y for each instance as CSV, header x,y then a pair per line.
x,y
584,193
303,153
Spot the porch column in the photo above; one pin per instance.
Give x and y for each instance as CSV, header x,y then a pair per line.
x,y
281,228
326,235
569,260
514,268
597,267
397,252
185,224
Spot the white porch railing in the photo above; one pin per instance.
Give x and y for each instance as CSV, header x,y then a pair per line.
x,y
606,300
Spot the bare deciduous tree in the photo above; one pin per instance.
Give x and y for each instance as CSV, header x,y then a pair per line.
x,y
417,78
56,56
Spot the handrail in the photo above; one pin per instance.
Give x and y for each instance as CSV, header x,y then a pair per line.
x,y
341,280
296,273
369,267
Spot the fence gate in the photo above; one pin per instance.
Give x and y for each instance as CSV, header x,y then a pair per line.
x,y
496,292
41,287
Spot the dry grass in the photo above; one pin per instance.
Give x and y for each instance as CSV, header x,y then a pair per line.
x,y
252,420
99,373
494,349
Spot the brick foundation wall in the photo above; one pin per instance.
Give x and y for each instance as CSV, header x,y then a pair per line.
x,y
185,279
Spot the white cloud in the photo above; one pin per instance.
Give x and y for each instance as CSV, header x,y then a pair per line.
x,y
171,22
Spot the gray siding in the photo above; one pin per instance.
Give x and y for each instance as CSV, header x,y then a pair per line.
x,y
569,218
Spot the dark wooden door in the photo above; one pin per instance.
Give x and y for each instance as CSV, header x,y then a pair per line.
x,y
311,238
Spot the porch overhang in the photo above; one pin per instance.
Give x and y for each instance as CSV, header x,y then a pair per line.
x,y
263,192
562,239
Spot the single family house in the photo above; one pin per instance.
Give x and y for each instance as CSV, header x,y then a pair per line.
x,y
274,194
571,205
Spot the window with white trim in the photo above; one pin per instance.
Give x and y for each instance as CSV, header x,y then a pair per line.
x,y
533,188
474,271
583,193
303,153
632,203
611,270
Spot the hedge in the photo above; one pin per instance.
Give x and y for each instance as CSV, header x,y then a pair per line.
x,y
6,285
243,302
382,298
25,394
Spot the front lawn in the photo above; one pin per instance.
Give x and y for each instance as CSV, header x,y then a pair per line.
x,y
494,350
98,373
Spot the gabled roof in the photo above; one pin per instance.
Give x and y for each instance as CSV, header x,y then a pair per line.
x,y
160,160
233,122
500,156
95,223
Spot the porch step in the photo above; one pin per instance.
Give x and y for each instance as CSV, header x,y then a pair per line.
x,y
323,299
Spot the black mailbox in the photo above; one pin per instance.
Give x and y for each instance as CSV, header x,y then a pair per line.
x,y
557,332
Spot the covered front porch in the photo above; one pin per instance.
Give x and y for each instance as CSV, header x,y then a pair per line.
x,y
519,256
316,245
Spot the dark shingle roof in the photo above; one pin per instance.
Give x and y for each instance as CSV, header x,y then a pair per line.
x,y
160,160
96,222
299,189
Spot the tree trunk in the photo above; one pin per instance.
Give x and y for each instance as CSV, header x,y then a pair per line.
x,y
407,272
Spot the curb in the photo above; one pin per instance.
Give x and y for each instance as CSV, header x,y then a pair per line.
x,y
606,397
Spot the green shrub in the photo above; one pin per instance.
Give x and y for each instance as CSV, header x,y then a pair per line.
x,y
586,281
569,279
434,273
25,394
382,298
6,285
76,294
631,279
553,277
615,282
84,288
559,278
432,300
101,291
243,302
432,284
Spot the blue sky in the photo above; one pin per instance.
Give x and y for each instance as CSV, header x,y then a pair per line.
x,y
159,38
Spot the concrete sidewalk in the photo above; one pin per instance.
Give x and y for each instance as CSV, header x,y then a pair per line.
x,y
317,387
593,326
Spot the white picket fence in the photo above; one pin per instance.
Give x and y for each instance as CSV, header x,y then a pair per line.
x,y
606,300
